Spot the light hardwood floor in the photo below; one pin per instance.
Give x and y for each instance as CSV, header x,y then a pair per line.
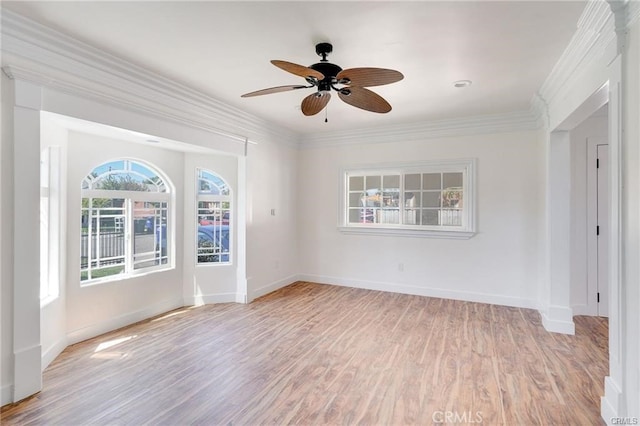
x,y
319,354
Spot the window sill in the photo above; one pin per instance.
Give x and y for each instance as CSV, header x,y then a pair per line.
x,y
403,232
123,277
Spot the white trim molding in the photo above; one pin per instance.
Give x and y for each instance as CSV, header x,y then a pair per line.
x,y
94,330
610,406
271,287
35,53
594,33
439,293
558,319
483,124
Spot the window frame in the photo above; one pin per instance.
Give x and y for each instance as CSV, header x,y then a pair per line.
x,y
130,197
50,223
465,166
221,198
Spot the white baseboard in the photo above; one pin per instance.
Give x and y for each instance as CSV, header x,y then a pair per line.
x,y
6,394
208,299
422,291
558,319
53,351
94,330
581,310
266,289
610,402
26,372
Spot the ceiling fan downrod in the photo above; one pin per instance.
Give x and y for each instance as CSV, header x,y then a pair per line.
x,y
323,49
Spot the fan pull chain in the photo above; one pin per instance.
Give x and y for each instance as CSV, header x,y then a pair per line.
x,y
326,120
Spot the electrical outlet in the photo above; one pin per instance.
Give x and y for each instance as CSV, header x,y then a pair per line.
x,y
401,267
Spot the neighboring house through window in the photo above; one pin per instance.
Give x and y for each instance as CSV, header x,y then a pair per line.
x,y
126,209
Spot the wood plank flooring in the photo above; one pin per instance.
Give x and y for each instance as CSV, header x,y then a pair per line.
x,y
319,354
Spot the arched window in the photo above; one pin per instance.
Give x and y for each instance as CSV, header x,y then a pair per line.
x,y
213,219
125,221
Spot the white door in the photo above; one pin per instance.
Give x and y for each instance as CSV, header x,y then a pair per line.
x,y
603,229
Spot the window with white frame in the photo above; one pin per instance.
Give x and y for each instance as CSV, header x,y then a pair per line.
x,y
428,199
126,207
213,219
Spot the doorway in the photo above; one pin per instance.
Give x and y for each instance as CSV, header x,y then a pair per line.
x,y
598,228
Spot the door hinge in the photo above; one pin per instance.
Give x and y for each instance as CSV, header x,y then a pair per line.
x,y
597,163
598,297
598,230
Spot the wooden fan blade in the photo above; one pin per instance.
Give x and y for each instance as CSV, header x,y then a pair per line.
x,y
367,77
365,99
270,90
313,104
296,69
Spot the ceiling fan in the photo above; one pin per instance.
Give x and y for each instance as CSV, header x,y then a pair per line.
x,y
350,83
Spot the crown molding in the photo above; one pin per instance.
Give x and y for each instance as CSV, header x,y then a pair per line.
x,y
540,110
595,31
41,55
485,124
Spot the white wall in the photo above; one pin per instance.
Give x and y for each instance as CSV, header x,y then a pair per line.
x,y
53,318
594,128
6,241
630,297
272,242
94,309
498,265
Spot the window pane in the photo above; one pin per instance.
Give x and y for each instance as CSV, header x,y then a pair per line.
x,y
451,217
356,199
412,199
431,181
102,243
431,199
213,231
412,217
412,182
391,199
211,183
150,234
389,216
213,243
356,215
373,198
373,183
214,212
356,183
124,175
452,180
391,182
452,199
430,217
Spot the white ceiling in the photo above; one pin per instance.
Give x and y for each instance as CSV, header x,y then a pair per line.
x,y
223,49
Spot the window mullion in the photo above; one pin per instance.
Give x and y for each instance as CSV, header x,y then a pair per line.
x,y
128,229
401,199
